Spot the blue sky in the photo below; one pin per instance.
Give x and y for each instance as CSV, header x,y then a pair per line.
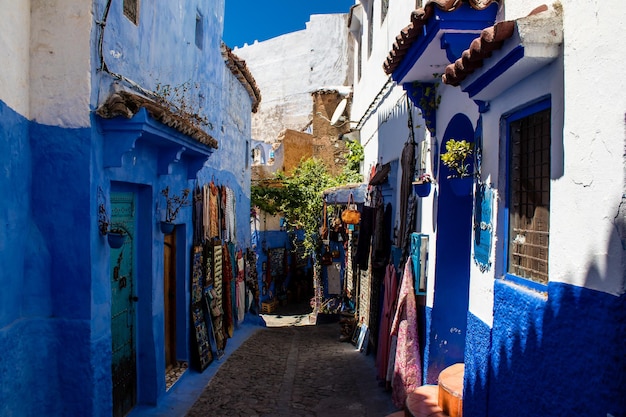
x,y
247,20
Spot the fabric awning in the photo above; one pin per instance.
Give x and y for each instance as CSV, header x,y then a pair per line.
x,y
340,195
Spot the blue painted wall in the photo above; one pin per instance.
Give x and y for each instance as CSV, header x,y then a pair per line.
x,y
55,304
446,322
269,239
563,355
476,377
45,310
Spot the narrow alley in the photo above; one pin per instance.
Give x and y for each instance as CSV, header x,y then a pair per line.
x,y
297,370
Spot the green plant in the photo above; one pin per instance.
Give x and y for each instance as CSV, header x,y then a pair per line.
x,y
105,225
298,197
456,157
428,99
174,203
354,155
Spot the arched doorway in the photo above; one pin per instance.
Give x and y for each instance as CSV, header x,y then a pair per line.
x,y
448,317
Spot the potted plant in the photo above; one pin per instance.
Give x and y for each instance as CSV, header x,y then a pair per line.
x,y
456,158
422,185
115,235
173,205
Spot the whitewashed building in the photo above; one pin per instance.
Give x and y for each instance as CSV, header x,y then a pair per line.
x,y
526,273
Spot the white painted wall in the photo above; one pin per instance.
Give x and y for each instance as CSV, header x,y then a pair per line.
x,y
384,128
587,153
586,250
14,52
289,67
60,62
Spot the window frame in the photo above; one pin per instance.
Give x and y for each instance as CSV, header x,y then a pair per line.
x,y
126,5
539,105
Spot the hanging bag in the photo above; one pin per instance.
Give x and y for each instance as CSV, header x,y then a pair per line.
x,y
351,215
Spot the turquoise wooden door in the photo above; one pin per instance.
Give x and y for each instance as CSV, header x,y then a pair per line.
x,y
124,369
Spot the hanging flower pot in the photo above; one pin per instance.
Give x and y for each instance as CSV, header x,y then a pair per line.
x,y
462,187
116,239
422,189
422,185
167,227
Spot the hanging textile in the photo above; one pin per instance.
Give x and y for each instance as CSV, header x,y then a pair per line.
x,y
214,201
390,286
365,237
240,289
198,232
223,212
227,300
410,220
202,352
379,257
333,274
217,311
252,279
407,375
206,218
407,161
231,226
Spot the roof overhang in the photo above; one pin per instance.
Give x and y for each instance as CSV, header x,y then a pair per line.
x,y
128,124
534,42
441,39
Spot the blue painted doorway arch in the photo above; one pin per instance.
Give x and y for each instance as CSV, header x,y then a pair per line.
x,y
447,320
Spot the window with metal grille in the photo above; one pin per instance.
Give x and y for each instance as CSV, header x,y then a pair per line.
x,y
384,7
529,195
131,10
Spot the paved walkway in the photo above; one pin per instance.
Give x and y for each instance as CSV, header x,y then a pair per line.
x,y
301,371
289,368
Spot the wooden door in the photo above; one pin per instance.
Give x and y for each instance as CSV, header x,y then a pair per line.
x,y
169,286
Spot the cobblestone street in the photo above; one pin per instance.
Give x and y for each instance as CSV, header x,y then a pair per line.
x,y
295,371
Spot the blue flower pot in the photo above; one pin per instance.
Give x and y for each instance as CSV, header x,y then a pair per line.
x,y
462,187
116,240
167,228
422,189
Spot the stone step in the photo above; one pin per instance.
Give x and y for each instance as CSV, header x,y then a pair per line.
x,y
451,390
423,402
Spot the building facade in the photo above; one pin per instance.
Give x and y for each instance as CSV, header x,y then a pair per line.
x,y
525,270
103,105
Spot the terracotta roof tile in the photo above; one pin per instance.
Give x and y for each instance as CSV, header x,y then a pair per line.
x,y
123,103
239,68
481,48
419,18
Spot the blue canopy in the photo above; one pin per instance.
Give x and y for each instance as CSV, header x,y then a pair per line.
x,y
340,195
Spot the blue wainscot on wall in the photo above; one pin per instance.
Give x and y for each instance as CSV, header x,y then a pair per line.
x,y
560,353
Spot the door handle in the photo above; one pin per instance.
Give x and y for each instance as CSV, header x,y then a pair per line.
x,y
133,298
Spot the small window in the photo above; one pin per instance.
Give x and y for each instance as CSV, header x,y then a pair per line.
x,y
131,10
199,30
529,194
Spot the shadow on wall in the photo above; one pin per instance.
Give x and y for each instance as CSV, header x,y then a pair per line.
x,y
560,355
